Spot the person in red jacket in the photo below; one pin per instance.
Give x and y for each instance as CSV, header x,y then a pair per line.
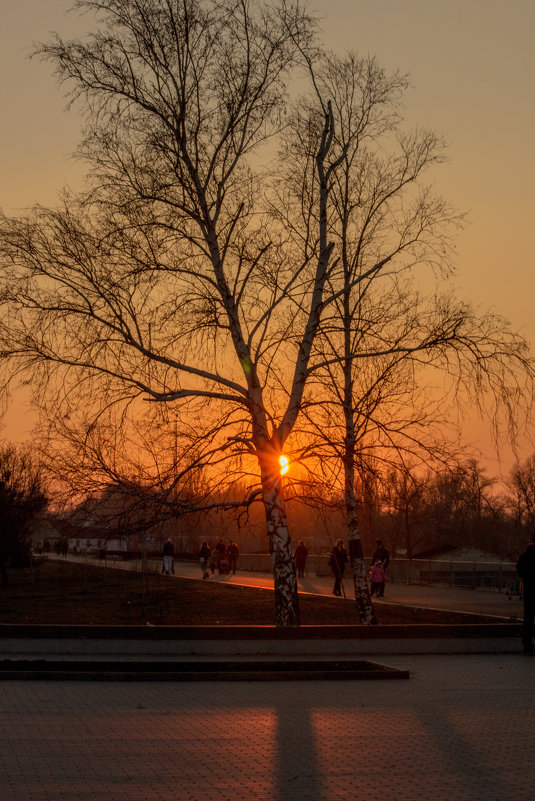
x,y
378,579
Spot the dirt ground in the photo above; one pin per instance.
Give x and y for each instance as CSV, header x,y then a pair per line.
x,y
64,592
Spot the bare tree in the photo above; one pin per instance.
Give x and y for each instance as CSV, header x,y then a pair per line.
x,y
183,276
405,494
387,327
163,281
522,492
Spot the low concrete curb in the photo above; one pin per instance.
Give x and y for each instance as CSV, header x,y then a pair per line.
x,y
199,670
209,642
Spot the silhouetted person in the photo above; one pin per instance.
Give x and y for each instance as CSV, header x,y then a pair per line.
x,y
300,556
213,561
525,567
382,554
338,562
168,553
204,558
232,556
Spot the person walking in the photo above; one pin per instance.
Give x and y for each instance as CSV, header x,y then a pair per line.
x,y
300,557
168,553
525,567
337,563
378,579
213,561
232,556
221,556
204,558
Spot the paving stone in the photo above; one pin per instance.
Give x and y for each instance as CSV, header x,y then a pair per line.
x,y
462,727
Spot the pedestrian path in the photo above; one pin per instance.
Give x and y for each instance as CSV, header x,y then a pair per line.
x,y
462,728
453,599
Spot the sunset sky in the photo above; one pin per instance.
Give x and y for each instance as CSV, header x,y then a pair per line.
x,y
472,69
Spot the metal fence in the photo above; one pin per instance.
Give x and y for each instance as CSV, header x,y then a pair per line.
x,y
500,577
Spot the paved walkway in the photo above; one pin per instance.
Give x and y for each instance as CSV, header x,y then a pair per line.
x,y
433,597
462,728
456,599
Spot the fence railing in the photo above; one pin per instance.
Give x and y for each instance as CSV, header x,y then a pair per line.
x,y
497,576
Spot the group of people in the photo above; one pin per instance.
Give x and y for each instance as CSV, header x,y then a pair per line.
x,y
525,569
223,558
339,559
380,560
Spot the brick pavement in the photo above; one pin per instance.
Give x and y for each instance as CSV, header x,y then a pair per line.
x,y
463,727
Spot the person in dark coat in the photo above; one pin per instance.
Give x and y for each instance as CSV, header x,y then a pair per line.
x,y
168,553
381,554
232,556
204,558
300,556
337,563
525,567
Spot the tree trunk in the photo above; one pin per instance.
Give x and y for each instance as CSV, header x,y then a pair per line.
x,y
356,557
363,600
284,575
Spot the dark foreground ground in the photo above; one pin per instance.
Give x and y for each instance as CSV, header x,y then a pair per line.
x,y
63,592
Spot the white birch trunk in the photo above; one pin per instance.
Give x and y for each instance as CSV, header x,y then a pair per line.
x,y
365,608
363,600
284,575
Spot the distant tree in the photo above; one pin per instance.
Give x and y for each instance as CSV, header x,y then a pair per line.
x,y
404,501
520,503
22,499
392,323
457,506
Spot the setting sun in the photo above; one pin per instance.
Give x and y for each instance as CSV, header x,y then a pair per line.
x,y
283,461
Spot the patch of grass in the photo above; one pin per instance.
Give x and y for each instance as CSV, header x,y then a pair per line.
x,y
70,593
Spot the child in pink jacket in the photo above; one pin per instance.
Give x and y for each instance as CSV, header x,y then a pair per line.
x,y
378,579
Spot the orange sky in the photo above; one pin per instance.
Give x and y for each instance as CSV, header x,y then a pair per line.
x,y
472,68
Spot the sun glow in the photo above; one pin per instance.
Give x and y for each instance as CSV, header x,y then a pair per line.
x,y
283,461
